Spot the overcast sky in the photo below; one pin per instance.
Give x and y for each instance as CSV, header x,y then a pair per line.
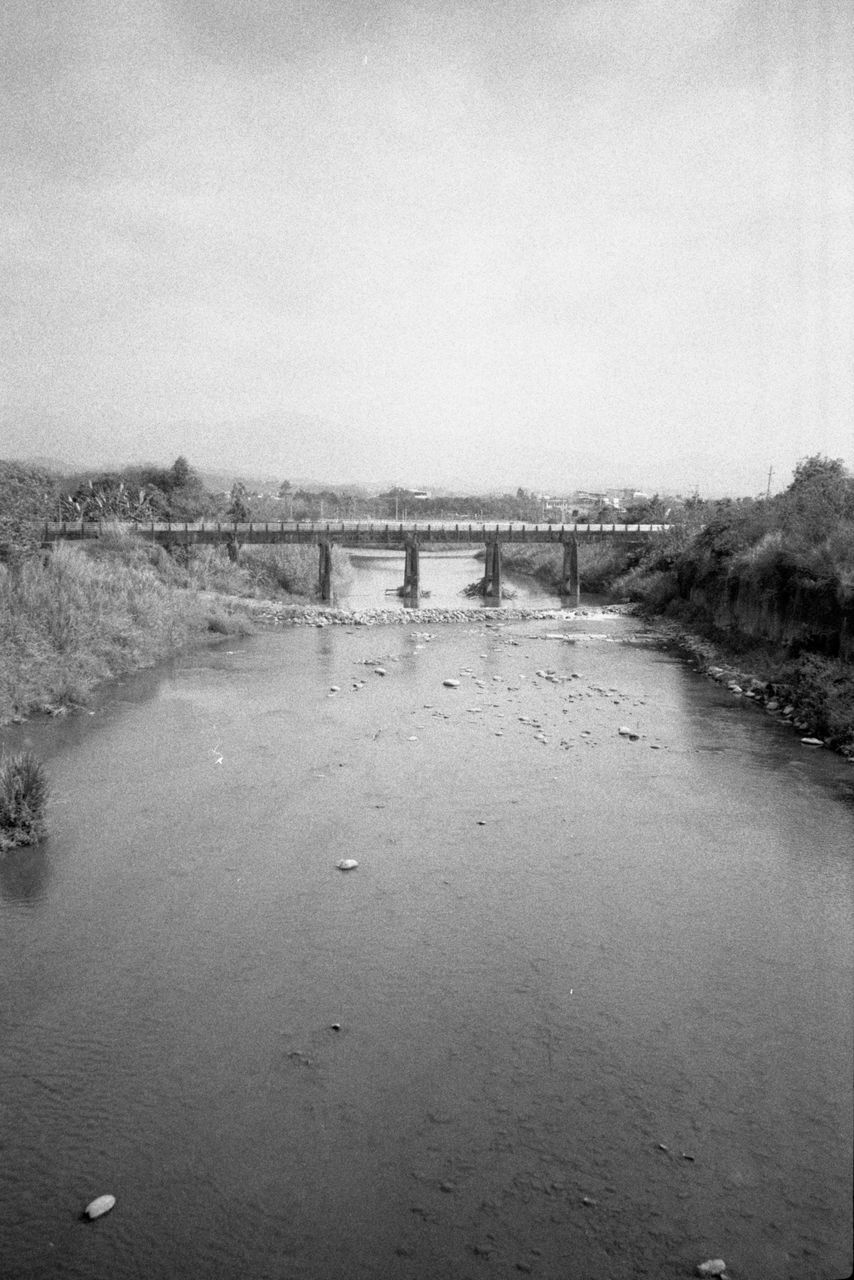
x,y
492,242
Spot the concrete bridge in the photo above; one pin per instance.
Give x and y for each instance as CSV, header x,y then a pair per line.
x,y
408,535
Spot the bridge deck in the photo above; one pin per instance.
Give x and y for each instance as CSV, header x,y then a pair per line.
x,y
353,533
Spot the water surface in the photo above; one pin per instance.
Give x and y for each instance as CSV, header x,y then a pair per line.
x,y
594,994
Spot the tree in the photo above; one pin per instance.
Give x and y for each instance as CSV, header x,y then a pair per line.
x,y
180,472
820,496
27,494
238,508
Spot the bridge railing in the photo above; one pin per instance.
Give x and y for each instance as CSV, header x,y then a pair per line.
x,y
443,530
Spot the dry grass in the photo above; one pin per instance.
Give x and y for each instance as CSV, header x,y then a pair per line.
x,y
88,612
81,615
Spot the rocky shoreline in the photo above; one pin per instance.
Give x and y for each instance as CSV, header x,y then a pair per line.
x,y
760,687
271,611
775,696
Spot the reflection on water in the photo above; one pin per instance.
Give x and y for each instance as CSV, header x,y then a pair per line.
x,y
377,575
25,873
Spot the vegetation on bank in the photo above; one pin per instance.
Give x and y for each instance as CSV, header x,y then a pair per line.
x,y
771,583
776,574
23,798
599,563
88,612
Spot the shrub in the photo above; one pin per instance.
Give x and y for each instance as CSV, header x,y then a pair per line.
x,y
23,797
655,588
293,568
823,690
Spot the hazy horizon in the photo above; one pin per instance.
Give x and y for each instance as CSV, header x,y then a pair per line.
x,y
480,244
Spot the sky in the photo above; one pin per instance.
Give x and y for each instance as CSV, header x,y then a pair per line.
x,y
476,243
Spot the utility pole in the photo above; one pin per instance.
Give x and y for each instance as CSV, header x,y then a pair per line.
x,y
768,490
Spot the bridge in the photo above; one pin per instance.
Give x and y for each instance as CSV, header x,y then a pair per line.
x,y
407,535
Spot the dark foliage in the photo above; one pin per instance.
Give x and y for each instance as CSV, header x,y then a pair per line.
x,y
23,798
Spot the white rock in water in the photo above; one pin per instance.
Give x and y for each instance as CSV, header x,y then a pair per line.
x,y
347,864
714,1267
99,1206
379,671
812,742
451,684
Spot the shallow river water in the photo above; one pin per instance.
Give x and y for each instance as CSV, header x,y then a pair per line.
x,y
444,576
593,993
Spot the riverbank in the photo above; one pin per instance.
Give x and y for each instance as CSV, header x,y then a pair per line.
x,y
80,616
599,563
811,690
813,694
84,615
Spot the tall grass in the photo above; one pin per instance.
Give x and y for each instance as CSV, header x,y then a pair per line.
x,y
23,797
87,612
84,614
293,569
599,563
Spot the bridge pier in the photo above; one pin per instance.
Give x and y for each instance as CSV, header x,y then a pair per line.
x,y
492,576
411,570
325,570
570,581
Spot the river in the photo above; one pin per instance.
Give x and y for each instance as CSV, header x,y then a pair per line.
x,y
583,1009
444,576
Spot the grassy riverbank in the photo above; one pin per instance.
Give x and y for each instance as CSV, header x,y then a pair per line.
x,y
599,563
763,591
87,613
760,591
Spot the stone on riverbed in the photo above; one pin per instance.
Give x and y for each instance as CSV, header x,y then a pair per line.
x,y
451,684
347,864
714,1267
99,1206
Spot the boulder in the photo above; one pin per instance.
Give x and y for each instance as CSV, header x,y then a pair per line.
x,y
99,1206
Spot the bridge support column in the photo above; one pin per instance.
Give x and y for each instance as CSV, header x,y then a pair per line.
x,y
570,581
492,576
325,571
412,570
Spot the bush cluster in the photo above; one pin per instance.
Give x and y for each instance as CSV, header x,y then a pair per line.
x,y
23,797
794,551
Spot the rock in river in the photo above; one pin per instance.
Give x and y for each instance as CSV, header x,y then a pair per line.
x,y
99,1206
347,864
